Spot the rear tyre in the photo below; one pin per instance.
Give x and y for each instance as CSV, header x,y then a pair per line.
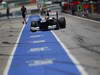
x,y
62,22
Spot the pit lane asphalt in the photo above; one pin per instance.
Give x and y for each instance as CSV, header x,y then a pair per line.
x,y
81,37
9,31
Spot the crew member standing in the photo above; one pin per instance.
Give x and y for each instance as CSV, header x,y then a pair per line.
x,y
23,11
8,12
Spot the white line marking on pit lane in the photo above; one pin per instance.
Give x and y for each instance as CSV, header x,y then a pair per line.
x,y
75,61
36,36
38,41
39,49
85,19
32,63
13,52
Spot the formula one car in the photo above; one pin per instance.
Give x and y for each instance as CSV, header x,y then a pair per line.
x,y
51,20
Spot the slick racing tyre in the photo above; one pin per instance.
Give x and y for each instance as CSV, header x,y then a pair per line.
x,y
62,22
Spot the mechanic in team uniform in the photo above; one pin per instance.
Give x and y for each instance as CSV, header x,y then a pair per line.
x,y
23,11
8,12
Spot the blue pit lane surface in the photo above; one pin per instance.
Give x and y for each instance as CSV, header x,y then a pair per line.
x,y
39,53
